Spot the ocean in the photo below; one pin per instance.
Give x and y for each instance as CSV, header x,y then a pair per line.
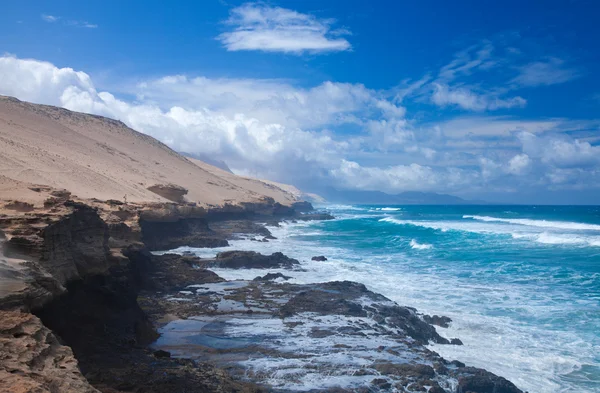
x,y
521,283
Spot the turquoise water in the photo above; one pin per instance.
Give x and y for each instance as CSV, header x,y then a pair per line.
x,y
522,282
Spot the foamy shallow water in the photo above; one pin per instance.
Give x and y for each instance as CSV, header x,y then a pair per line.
x,y
526,309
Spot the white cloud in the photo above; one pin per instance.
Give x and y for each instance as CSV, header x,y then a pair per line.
x,y
463,97
519,164
50,18
274,29
413,177
332,134
75,23
544,73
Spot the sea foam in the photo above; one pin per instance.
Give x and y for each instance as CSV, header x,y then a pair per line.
x,y
539,223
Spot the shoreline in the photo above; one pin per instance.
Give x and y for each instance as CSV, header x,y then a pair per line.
x,y
121,313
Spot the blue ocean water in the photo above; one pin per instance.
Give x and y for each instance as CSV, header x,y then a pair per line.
x,y
521,283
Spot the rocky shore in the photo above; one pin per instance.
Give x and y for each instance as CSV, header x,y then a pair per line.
x,y
85,306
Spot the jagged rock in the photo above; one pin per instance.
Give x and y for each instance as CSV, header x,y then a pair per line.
x,y
271,276
253,260
32,359
482,381
314,217
406,370
456,341
302,207
437,320
19,206
170,272
320,258
348,298
161,354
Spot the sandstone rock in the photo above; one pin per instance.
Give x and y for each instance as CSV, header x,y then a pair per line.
x,y
171,192
33,360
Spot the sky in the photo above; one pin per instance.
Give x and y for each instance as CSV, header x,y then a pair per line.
x,y
497,101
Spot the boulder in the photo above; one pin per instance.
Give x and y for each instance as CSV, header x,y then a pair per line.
x,y
320,258
271,276
253,260
437,320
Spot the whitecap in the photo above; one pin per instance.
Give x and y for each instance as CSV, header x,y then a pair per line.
x,y
539,223
418,246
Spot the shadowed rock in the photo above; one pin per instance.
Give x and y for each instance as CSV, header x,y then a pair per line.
x,y
253,260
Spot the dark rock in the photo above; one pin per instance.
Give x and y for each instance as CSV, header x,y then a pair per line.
x,y
253,260
302,207
405,370
320,258
482,381
161,354
321,333
381,383
437,320
192,232
457,363
332,298
271,276
314,217
456,341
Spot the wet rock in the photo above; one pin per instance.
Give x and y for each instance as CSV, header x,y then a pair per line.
x,y
320,258
321,333
381,383
456,341
457,363
161,354
333,298
437,320
253,260
314,217
482,381
302,207
272,276
406,370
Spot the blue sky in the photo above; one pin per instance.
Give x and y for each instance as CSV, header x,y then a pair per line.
x,y
479,99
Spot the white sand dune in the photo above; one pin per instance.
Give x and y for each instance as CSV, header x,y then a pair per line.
x,y
96,157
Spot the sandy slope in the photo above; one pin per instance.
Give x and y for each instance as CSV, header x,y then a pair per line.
x,y
96,157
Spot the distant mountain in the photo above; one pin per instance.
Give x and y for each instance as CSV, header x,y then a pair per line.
x,y
211,161
404,198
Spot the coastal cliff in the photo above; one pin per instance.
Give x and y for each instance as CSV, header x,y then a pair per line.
x,y
83,202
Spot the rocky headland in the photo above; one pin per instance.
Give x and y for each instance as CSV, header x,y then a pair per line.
x,y
87,306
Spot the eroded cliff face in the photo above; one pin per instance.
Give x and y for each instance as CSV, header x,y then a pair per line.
x,y
33,360
72,271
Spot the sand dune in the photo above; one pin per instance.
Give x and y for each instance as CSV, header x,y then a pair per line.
x,y
97,157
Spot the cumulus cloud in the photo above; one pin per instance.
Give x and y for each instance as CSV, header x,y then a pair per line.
x,y
274,29
333,134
